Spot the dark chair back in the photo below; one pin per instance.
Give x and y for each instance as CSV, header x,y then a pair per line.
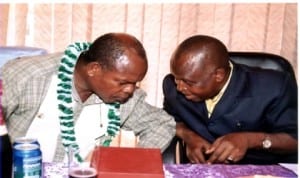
x,y
263,60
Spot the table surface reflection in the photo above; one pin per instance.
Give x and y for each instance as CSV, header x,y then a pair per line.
x,y
59,170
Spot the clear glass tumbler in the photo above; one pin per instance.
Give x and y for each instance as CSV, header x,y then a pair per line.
x,y
76,168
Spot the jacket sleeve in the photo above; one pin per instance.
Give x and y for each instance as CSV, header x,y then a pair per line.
x,y
282,112
154,127
170,97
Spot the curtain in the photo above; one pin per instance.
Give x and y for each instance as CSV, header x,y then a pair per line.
x,y
261,27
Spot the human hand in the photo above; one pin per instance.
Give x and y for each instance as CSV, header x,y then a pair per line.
x,y
229,148
195,149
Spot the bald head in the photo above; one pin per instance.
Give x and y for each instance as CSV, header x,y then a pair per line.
x,y
108,49
199,51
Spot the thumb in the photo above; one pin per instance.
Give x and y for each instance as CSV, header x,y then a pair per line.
x,y
210,150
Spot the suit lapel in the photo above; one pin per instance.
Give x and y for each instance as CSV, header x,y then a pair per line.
x,y
198,108
235,92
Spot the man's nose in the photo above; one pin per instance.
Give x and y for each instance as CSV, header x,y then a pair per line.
x,y
180,85
129,89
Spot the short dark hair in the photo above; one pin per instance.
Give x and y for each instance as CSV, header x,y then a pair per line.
x,y
108,48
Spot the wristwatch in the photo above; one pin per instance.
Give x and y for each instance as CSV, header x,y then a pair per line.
x,y
266,143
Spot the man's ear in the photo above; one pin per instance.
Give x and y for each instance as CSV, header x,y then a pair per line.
x,y
93,69
220,74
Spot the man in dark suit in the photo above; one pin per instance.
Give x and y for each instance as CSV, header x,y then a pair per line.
x,y
227,112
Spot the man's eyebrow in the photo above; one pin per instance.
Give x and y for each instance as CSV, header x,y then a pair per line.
x,y
188,80
124,80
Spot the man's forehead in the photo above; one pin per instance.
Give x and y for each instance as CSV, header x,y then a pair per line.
x,y
189,61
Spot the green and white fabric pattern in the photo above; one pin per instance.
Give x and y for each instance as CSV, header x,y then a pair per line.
x,y
65,101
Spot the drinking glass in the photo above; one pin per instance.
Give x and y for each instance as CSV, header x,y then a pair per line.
x,y
78,169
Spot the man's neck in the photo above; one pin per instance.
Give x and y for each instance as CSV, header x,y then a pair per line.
x,y
80,84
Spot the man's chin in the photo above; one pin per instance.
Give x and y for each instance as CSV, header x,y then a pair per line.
x,y
119,100
193,98
122,101
116,99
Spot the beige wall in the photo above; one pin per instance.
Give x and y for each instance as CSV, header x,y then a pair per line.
x,y
268,27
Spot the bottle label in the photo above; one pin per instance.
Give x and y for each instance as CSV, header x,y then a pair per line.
x,y
3,130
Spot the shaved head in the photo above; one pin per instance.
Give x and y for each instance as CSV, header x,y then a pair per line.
x,y
201,50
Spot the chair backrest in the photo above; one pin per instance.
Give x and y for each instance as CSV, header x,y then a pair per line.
x,y
263,60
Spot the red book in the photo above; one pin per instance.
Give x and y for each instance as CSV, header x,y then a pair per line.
x,y
120,162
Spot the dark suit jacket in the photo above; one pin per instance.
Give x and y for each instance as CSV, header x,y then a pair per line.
x,y
255,100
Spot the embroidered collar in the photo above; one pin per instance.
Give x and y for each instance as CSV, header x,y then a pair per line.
x,y
65,101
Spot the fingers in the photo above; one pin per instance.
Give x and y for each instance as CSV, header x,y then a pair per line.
x,y
210,150
222,154
227,149
220,159
196,152
227,156
196,156
230,159
234,156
